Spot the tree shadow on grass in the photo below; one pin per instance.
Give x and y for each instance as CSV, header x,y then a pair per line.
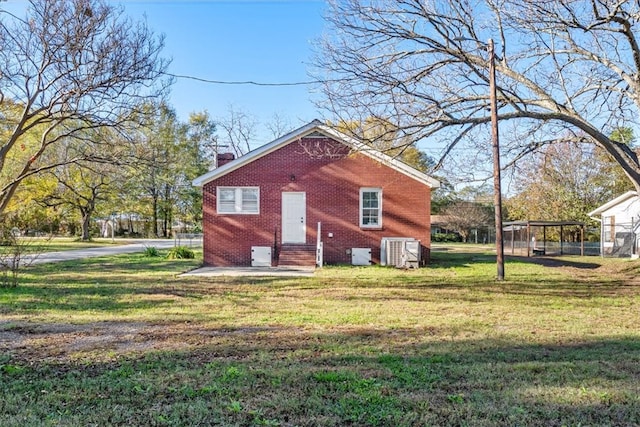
x,y
556,262
358,377
463,259
459,259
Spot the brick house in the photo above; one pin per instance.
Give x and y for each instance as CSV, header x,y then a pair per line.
x,y
274,205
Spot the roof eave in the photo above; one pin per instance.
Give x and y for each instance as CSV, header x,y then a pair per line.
x,y
300,133
612,203
254,154
381,157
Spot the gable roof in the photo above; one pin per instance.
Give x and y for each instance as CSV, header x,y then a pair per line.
x,y
306,130
620,199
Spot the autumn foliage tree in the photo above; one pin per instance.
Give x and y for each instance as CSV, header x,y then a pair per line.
x,y
381,135
565,181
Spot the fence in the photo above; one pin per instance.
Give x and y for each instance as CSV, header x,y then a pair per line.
x,y
193,239
527,238
620,240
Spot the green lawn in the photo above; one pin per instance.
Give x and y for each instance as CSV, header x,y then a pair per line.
x,y
125,341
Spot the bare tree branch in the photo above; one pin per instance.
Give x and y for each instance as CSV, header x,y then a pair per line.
x,y
564,67
66,67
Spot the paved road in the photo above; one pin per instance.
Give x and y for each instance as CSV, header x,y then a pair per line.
x,y
138,246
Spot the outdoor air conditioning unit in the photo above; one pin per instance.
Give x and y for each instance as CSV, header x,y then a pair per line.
x,y
402,252
411,254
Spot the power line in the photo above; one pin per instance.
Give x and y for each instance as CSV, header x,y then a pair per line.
x,y
246,82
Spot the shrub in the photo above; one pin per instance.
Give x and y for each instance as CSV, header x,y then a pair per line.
x,y
446,237
181,252
151,251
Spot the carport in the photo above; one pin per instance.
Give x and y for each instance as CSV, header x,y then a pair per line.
x,y
544,237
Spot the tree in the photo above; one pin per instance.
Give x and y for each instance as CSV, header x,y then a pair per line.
x,y
203,141
82,187
567,71
563,182
466,209
170,155
278,125
159,160
463,216
612,178
65,68
26,211
381,135
442,197
201,132
238,130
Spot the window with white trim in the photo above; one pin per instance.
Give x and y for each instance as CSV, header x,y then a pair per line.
x,y
609,228
371,207
238,200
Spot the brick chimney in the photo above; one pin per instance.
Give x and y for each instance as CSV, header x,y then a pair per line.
x,y
224,158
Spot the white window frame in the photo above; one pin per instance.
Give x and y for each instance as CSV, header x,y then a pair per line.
x,y
239,208
609,228
362,208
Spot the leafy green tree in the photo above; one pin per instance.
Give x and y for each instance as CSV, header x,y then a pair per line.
x,y
85,186
158,161
26,210
613,179
442,197
82,187
202,148
170,154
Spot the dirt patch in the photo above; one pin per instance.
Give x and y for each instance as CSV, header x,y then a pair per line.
x,y
64,340
108,340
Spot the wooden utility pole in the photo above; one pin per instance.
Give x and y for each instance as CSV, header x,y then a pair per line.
x,y
497,191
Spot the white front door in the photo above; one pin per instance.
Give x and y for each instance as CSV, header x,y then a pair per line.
x,y
294,217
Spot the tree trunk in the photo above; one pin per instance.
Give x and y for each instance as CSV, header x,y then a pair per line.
x,y
166,210
86,219
155,215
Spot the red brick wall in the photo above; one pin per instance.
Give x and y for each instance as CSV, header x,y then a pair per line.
x,y
332,183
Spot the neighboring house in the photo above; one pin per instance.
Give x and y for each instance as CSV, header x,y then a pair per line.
x,y
276,204
439,225
620,223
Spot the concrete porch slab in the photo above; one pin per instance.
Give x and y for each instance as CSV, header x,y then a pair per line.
x,y
252,272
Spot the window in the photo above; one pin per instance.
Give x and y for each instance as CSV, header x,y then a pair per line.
x,y
609,228
371,207
238,200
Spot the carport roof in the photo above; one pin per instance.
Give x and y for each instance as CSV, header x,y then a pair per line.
x,y
540,223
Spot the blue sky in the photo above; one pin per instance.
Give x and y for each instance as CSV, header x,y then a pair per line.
x,y
234,40
264,41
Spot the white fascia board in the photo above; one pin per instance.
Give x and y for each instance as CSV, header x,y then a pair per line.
x,y
385,159
294,135
254,155
612,203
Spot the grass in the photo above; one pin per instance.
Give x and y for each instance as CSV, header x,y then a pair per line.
x,y
126,341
